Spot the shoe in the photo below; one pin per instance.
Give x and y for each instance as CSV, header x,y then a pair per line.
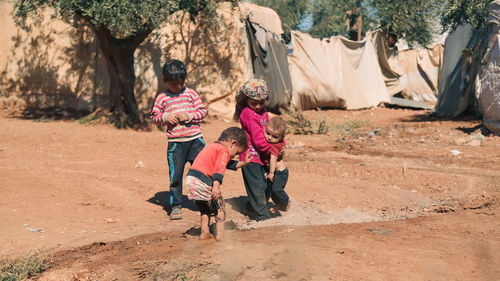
x,y
176,213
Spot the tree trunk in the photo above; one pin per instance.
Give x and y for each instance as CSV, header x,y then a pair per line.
x,y
119,57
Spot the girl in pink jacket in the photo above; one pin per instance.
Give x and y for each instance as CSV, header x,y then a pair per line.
x,y
253,117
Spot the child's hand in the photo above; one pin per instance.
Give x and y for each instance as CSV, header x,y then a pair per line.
x,y
182,117
282,152
270,177
248,159
172,119
216,192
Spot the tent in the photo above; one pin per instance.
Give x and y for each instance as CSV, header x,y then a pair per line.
x,y
412,72
335,72
456,90
488,82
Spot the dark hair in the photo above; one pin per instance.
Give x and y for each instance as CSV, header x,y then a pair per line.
x,y
241,102
174,70
234,133
278,125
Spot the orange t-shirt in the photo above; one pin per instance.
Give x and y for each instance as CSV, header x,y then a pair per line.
x,y
212,161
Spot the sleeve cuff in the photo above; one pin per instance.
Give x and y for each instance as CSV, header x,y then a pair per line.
x,y
231,165
164,117
218,177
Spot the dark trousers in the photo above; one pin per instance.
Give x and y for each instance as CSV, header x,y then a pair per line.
x,y
277,190
257,189
178,154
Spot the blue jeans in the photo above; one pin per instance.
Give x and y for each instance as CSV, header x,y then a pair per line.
x,y
278,194
178,154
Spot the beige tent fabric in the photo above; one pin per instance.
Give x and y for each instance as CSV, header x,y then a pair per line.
x,y
265,17
421,72
488,80
59,66
412,72
489,90
389,62
335,72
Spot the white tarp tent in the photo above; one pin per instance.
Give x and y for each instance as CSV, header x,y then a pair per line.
x,y
335,72
412,72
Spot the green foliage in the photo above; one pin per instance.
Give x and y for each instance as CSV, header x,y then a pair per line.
x,y
91,119
298,124
291,12
328,17
411,20
457,12
123,17
22,268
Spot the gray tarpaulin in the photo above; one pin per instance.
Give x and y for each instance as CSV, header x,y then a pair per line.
x,y
270,63
456,80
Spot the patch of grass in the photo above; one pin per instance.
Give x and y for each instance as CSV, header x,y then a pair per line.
x,y
91,119
298,124
22,268
350,125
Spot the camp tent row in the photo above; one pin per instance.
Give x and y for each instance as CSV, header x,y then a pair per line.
x,y
59,66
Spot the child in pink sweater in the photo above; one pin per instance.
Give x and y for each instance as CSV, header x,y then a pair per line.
x,y
253,117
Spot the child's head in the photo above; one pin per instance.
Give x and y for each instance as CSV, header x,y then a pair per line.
x,y
253,94
235,140
174,75
275,130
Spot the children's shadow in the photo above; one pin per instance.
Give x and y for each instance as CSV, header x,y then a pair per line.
x,y
162,198
238,204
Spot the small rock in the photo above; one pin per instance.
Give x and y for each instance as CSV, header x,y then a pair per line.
x,y
35,229
455,152
139,164
479,137
475,142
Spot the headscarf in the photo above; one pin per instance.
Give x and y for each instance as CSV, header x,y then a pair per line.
x,y
255,89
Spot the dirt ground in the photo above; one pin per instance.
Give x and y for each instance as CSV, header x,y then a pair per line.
x,y
405,197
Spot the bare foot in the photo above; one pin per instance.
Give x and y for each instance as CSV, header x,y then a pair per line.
x,y
273,210
206,236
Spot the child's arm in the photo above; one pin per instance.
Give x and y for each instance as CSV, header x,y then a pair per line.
x,y
159,113
272,167
255,130
198,114
234,165
216,190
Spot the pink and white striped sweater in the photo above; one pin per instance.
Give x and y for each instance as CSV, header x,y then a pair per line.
x,y
187,101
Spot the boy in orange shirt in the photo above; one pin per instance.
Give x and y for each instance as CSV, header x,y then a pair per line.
x,y
205,177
